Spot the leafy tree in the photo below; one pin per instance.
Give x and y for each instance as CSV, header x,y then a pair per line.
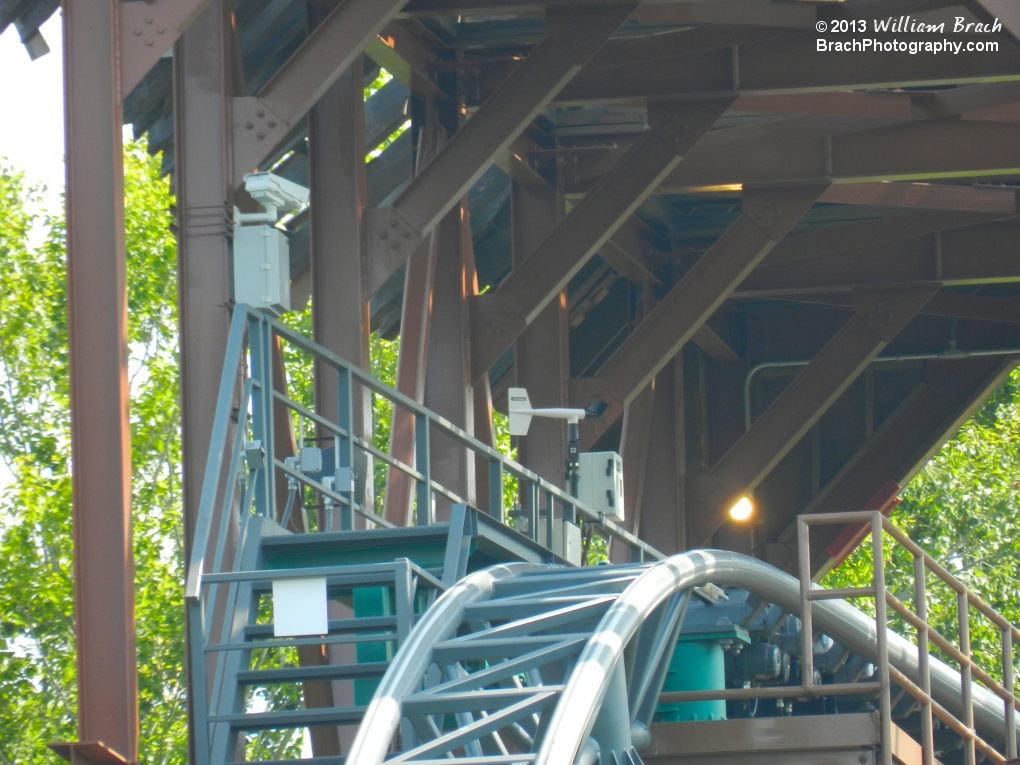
x,y
37,670
962,509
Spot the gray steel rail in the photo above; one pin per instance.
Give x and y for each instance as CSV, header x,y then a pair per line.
x,y
580,700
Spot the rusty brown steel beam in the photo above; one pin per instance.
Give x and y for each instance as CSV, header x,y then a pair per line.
x,y
651,50
767,215
933,150
788,64
340,308
203,79
852,236
952,304
147,32
99,391
448,388
738,12
202,82
926,196
501,317
412,355
541,354
879,315
847,150
263,120
574,36
905,441
406,49
979,254
833,103
661,514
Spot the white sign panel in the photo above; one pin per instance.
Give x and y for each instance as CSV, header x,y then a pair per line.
x,y
299,607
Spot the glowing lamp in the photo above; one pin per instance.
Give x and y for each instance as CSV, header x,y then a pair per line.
x,y
742,509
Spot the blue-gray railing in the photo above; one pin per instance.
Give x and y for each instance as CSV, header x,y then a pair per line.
x,y
240,477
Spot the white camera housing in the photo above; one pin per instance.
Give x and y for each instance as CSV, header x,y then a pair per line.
x,y
273,191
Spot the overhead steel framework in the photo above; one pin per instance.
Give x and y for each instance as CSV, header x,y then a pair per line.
x,y
787,272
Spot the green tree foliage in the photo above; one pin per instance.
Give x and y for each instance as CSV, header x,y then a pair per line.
x,y
37,671
962,509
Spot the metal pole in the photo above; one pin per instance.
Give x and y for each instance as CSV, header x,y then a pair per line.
x,y
345,419
807,641
99,392
882,642
966,687
423,464
1007,682
921,597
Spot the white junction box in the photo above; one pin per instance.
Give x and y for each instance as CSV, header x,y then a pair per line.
x,y
262,268
601,483
566,539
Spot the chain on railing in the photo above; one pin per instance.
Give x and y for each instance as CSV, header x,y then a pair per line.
x,y
878,526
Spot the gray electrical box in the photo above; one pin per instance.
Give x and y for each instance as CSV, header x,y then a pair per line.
x,y
262,268
601,484
566,540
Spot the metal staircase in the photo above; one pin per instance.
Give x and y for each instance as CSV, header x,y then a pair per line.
x,y
467,641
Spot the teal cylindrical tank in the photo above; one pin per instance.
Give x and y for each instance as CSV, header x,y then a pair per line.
x,y
697,665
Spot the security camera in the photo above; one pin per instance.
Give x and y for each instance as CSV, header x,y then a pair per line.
x,y
277,195
272,190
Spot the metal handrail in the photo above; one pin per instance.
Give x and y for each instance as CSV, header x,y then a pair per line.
x,y
878,526
246,321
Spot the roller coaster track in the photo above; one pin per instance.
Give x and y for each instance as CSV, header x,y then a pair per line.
x,y
554,666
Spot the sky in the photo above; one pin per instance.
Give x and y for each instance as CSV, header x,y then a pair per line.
x,y
32,118
31,102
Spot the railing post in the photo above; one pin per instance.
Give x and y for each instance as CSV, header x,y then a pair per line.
x,y
963,617
807,638
199,689
1007,683
550,505
496,490
261,351
423,464
532,509
921,596
344,445
882,635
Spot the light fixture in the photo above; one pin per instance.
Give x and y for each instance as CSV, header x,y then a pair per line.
x,y
742,509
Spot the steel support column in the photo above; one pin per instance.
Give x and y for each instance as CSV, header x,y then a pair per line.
x,y
879,316
768,214
340,309
412,358
448,389
575,35
501,317
661,515
202,80
541,358
203,77
99,392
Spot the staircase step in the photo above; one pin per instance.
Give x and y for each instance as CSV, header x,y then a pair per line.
x,y
291,718
336,626
425,545
321,672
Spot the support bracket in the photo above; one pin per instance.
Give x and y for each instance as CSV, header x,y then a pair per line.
x,y
147,30
88,753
